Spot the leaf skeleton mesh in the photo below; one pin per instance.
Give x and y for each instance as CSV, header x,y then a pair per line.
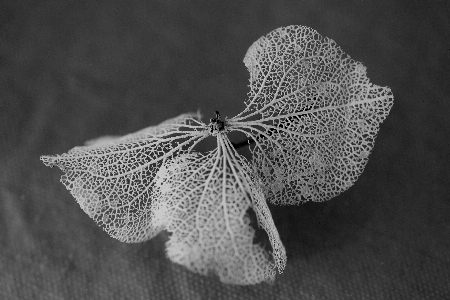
x,y
264,217
313,116
204,207
318,115
112,180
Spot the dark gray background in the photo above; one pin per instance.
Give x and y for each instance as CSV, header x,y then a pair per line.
x,y
74,70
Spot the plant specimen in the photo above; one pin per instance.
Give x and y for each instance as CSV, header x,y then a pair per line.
x,y
311,118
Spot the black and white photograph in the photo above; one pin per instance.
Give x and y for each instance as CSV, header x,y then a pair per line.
x,y
162,149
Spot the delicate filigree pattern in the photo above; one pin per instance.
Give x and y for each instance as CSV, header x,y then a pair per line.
x,y
112,179
313,116
203,201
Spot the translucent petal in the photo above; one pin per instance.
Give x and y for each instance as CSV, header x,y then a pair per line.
x,y
203,203
112,179
312,113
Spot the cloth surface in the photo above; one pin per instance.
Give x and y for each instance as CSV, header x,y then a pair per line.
x,y
71,71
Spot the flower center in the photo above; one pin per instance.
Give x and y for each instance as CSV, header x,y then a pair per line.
x,y
216,124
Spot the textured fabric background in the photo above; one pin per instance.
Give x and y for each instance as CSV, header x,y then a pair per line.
x,y
75,70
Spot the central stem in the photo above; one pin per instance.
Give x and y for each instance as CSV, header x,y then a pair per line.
x,y
216,125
